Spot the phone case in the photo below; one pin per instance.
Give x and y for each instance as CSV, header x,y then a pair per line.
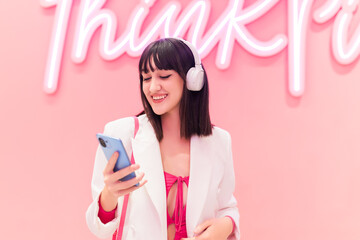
x,y
112,145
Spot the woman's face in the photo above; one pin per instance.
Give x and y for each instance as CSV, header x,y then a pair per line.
x,y
163,90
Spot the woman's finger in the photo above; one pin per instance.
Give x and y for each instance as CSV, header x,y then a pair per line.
x,y
201,227
109,168
124,172
129,190
129,183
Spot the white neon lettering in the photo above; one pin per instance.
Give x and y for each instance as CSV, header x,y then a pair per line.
x,y
90,18
229,28
189,16
299,11
92,15
327,11
254,46
346,52
149,34
57,42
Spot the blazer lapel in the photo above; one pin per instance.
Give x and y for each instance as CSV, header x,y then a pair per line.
x,y
147,154
200,173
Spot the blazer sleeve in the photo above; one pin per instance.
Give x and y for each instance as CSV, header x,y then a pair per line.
x,y
94,223
226,199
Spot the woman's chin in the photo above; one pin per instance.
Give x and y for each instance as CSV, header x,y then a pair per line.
x,y
158,111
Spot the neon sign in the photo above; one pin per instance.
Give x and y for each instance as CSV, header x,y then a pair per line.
x,y
228,29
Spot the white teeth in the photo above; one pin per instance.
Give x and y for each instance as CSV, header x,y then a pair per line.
x,y
159,97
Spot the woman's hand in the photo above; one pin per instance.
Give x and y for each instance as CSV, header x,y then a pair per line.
x,y
113,187
213,229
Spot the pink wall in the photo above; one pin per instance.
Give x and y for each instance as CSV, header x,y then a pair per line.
x,y
296,159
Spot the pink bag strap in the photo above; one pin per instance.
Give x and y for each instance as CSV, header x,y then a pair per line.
x,y
118,233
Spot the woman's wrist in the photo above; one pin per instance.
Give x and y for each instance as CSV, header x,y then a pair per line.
x,y
105,216
107,200
229,222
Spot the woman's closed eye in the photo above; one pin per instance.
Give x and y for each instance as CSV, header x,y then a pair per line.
x,y
164,77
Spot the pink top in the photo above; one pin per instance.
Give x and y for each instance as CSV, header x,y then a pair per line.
x,y
179,214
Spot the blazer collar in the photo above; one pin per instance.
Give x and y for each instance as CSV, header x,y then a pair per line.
x,y
146,150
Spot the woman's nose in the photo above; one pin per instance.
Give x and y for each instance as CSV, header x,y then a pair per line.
x,y
154,85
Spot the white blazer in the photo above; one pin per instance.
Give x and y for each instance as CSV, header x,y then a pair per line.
x,y
210,190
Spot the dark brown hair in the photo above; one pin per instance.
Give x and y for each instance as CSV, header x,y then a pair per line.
x,y
174,54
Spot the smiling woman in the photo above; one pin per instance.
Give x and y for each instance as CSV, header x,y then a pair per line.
x,y
186,160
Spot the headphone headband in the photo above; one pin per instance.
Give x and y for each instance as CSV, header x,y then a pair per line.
x,y
193,50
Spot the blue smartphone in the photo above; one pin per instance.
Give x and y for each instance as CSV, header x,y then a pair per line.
x,y
110,145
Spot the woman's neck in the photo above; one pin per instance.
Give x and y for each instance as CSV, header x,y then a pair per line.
x,y
171,125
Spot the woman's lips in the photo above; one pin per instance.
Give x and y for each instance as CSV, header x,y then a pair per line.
x,y
158,98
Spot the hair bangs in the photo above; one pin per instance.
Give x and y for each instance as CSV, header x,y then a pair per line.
x,y
159,55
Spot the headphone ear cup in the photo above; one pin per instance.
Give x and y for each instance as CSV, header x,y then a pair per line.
x,y
195,79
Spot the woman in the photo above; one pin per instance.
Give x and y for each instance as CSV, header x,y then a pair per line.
x,y
186,161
